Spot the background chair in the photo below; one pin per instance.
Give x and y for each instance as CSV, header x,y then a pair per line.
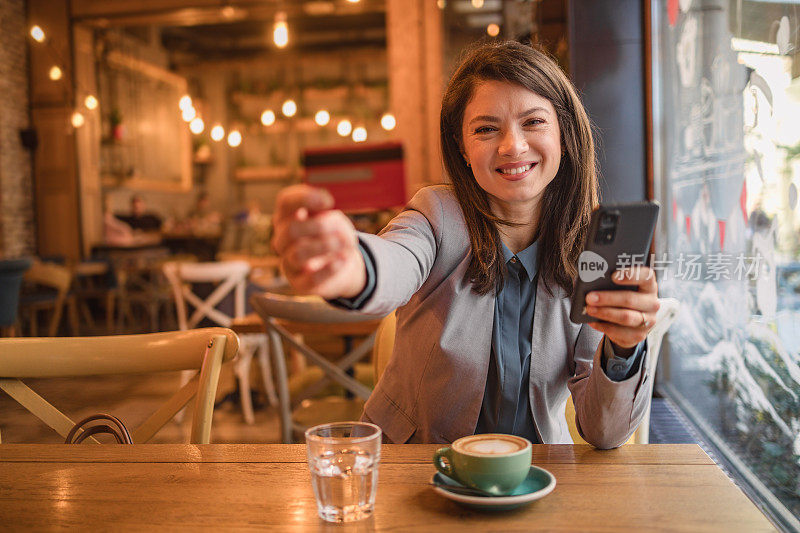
x,y
50,285
230,277
202,349
11,272
666,315
285,317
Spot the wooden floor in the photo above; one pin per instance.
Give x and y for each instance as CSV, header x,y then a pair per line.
x,y
133,399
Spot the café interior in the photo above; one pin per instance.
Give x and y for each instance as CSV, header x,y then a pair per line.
x,y
143,145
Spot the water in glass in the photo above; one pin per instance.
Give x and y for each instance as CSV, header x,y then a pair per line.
x,y
344,484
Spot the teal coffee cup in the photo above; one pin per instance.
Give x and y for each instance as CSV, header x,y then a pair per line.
x,y
494,463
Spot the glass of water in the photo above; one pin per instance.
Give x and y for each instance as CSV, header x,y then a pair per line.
x,y
343,458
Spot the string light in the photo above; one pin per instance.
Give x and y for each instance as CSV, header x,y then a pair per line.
x,y
493,30
280,31
55,73
37,33
234,139
90,102
388,122
77,119
197,125
217,133
322,117
188,114
185,102
344,128
289,108
477,4
353,1
268,117
360,134
441,4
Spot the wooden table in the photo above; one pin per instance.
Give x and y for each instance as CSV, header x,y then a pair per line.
x,y
224,487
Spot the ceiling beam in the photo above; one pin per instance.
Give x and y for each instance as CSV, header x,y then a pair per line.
x,y
103,13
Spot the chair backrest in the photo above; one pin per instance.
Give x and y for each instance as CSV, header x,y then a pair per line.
x,y
667,313
384,344
285,316
231,276
11,272
52,275
202,349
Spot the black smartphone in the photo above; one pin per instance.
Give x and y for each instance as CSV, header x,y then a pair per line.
x,y
619,236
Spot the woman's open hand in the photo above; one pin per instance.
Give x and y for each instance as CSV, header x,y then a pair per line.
x,y
317,245
627,315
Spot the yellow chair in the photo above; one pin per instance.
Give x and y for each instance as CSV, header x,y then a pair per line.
x,y
384,343
201,349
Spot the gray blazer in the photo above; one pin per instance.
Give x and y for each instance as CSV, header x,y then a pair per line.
x,y
432,388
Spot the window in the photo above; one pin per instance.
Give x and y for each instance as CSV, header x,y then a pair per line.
x,y
726,116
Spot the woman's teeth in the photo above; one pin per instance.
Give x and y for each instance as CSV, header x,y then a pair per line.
x,y
517,170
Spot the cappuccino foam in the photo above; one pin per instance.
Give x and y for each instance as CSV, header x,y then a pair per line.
x,y
491,446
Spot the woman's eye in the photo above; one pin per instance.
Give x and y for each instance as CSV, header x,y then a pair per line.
x,y
534,122
485,129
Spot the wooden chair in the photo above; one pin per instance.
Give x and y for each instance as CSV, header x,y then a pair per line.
x,y
231,278
285,317
58,279
202,349
667,313
95,282
11,273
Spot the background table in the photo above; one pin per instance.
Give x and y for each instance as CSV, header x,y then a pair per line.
x,y
117,487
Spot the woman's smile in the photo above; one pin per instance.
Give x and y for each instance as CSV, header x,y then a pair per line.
x,y
515,171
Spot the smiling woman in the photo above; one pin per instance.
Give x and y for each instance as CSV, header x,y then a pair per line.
x,y
480,271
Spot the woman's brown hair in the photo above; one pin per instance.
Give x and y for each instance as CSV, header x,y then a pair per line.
x,y
568,200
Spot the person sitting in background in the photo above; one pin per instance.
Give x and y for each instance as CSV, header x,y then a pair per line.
x,y
139,218
202,219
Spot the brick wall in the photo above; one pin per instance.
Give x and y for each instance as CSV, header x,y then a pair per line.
x,y
17,236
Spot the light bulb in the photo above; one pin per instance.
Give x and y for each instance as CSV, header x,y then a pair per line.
x,y
388,122
493,30
77,119
197,125
441,4
344,128
55,73
322,117
360,134
268,117
185,102
289,108
188,114
280,31
37,33
217,133
234,139
477,4
90,102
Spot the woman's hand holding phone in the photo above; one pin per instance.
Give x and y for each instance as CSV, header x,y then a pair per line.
x,y
317,244
627,315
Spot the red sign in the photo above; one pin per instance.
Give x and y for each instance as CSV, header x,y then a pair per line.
x,y
360,177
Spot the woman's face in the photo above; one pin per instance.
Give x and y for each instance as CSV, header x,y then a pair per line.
x,y
512,141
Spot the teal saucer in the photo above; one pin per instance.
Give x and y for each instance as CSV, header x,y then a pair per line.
x,y
538,484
